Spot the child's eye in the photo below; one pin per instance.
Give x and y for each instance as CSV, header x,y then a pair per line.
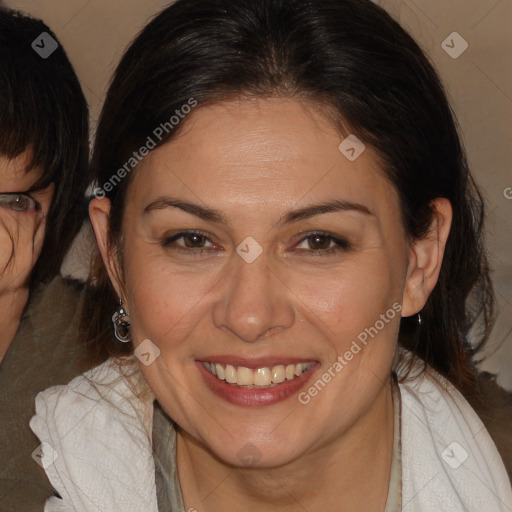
x,y
322,243
18,202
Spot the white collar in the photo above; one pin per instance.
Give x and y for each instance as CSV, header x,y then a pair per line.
x,y
100,425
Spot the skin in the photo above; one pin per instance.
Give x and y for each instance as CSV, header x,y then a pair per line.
x,y
21,241
253,162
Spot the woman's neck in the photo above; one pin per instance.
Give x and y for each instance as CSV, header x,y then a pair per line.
x,y
12,304
351,473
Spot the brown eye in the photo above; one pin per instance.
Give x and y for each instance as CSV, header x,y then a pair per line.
x,y
322,244
319,242
185,240
194,241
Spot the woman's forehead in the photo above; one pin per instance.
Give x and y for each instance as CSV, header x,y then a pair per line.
x,y
257,150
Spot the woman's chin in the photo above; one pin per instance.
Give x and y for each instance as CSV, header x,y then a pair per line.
x,y
251,456
241,452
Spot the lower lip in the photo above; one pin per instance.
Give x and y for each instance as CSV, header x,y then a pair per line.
x,y
255,397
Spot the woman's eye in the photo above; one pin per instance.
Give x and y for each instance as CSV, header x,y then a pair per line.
x,y
189,240
322,243
18,202
193,240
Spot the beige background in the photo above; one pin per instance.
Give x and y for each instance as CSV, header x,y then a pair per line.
x,y
95,33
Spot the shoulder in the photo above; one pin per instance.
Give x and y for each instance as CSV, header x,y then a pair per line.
x,y
95,429
48,334
495,410
115,386
113,391
65,293
44,352
448,458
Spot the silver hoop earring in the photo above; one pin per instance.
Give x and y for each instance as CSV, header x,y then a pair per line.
x,y
121,322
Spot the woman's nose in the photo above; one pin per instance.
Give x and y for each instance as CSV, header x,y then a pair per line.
x,y
254,302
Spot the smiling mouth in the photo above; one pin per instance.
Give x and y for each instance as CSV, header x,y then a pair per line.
x,y
264,377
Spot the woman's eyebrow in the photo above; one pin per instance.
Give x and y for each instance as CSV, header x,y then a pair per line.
x,y
211,215
321,208
202,212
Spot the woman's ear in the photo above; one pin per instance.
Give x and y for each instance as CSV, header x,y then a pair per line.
x,y
426,257
99,211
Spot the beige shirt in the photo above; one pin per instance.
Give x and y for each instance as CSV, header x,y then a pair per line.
x,y
43,353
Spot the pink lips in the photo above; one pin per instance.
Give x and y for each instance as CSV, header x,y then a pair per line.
x,y
254,397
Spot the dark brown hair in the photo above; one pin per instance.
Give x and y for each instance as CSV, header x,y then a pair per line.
x,y
42,108
350,56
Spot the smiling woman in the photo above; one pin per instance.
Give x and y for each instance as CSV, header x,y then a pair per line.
x,y
297,234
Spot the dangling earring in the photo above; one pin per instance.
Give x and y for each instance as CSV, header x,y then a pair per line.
x,y
121,323
419,320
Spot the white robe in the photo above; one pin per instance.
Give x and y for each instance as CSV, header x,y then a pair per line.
x,y
97,451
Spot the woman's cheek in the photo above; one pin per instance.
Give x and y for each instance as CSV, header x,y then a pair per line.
x,y
21,242
167,302
39,237
6,250
348,292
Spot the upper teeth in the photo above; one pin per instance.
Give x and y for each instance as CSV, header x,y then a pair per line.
x,y
260,377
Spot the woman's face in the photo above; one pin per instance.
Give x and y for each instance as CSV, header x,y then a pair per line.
x,y
253,244
22,220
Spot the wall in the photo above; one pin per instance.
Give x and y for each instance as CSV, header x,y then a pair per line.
x,y
95,33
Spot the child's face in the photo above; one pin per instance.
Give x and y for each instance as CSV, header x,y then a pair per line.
x,y
22,220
